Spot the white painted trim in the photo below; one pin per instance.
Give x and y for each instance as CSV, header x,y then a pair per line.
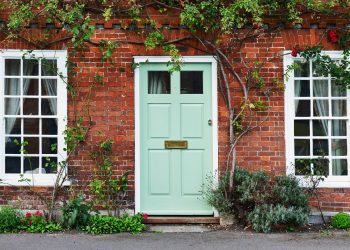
x,y
332,181
61,56
165,59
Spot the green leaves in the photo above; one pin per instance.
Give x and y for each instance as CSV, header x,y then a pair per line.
x,y
153,40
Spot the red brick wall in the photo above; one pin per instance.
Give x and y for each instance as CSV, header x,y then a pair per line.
x,y
112,105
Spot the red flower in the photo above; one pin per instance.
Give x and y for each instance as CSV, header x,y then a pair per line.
x,y
38,213
30,222
332,36
294,52
28,215
145,216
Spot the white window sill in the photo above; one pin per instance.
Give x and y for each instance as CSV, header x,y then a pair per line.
x,y
39,180
342,182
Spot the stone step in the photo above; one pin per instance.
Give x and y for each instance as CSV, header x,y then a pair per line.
x,y
182,220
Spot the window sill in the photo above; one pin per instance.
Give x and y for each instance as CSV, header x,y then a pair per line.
x,y
39,181
327,183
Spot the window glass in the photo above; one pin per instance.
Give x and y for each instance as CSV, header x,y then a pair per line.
x,y
320,123
158,82
30,97
191,82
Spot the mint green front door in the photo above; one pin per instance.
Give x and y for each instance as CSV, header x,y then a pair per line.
x,y
177,108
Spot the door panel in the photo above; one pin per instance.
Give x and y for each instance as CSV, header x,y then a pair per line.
x,y
159,171
192,120
175,106
192,172
159,122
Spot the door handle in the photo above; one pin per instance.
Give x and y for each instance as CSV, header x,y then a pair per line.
x,y
210,122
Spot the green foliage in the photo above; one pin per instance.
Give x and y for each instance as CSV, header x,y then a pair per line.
x,y
153,40
10,219
341,221
265,216
216,195
107,48
109,224
36,223
110,190
76,213
339,69
256,201
21,16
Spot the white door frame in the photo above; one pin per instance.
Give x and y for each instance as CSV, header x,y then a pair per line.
x,y
165,59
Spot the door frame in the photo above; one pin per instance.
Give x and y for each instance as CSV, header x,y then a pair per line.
x,y
166,59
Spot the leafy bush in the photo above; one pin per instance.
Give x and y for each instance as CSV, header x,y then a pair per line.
x,y
75,213
36,223
108,224
256,201
341,221
218,197
10,220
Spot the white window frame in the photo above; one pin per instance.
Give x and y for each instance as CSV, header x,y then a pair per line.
x,y
61,57
289,107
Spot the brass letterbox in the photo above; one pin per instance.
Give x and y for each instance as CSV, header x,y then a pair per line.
x,y
175,144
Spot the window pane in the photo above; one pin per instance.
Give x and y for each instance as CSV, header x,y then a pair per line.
x,y
302,108
30,86
30,67
302,88
191,82
12,145
338,90
31,126
31,165
301,128
339,167
338,108
49,126
12,67
302,167
302,147
32,145
158,82
321,167
320,127
339,128
12,106
49,87
49,165
320,88
47,145
49,106
12,86
13,126
320,147
303,69
48,67
339,147
321,108
12,165
30,106
316,70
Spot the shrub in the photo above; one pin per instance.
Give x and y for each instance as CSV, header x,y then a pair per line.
x,y
10,220
36,223
218,196
75,213
108,224
341,221
263,204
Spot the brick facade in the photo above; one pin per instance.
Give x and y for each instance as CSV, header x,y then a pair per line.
x,y
112,104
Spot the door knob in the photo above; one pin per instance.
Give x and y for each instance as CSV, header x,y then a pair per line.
x,y
210,122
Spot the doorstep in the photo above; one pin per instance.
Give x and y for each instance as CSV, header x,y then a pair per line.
x,y
182,220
